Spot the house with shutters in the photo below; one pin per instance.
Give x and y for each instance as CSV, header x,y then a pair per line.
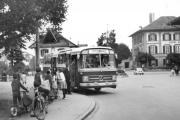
x,y
158,39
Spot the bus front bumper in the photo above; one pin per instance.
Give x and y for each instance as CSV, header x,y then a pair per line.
x,y
96,84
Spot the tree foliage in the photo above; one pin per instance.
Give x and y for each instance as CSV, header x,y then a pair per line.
x,y
109,39
123,51
20,19
173,59
144,58
3,66
19,66
15,56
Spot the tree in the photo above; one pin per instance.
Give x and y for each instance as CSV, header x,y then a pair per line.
x,y
15,56
173,59
21,18
20,66
109,39
3,66
123,52
144,58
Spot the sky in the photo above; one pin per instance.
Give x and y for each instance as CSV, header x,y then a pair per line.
x,y
88,19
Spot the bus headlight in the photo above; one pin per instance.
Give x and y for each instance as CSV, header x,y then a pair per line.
x,y
114,77
85,78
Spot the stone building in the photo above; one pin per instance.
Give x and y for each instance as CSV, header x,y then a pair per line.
x,y
158,39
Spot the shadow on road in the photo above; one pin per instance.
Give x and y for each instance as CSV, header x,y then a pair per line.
x,y
4,109
90,92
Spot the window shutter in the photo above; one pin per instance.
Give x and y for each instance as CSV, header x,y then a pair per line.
x,y
164,49
149,49
163,37
156,49
148,37
170,49
174,36
169,36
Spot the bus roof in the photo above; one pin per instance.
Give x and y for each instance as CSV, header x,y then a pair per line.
x,y
74,51
78,50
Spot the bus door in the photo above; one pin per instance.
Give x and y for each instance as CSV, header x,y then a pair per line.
x,y
73,68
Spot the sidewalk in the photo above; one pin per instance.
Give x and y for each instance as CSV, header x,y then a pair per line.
x,y
74,107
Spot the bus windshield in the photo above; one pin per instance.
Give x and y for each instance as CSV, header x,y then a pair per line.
x,y
97,61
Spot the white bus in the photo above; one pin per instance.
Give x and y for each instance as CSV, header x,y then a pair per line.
x,y
90,67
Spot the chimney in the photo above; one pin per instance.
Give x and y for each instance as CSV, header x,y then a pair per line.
x,y
151,17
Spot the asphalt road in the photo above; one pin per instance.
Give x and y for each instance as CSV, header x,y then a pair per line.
x,y
153,96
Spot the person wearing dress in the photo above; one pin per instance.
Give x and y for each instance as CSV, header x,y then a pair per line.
x,y
62,82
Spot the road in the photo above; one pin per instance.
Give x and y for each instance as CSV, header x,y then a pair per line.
x,y
153,96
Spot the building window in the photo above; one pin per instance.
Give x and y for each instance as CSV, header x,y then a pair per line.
x,y
166,36
176,48
176,36
164,62
152,49
167,49
126,64
44,51
156,62
152,37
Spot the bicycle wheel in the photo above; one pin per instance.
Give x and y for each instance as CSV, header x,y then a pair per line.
x,y
14,111
39,110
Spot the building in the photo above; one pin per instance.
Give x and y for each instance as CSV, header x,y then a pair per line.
x,y
51,42
158,39
126,64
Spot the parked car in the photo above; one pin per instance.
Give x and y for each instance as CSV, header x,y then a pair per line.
x,y
121,72
138,71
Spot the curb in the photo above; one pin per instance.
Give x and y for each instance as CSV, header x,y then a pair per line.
x,y
90,109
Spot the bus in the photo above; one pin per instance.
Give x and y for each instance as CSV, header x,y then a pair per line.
x,y
53,60
90,67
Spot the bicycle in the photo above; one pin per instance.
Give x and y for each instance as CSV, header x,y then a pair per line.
x,y
40,109
22,107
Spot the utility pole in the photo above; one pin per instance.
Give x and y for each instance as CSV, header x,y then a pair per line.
x,y
107,36
37,47
147,59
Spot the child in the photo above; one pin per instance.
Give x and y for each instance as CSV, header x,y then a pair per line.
x,y
62,82
16,85
23,78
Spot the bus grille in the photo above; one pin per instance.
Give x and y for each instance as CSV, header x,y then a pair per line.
x,y
100,77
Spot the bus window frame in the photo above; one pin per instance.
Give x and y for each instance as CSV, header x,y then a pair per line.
x,y
82,53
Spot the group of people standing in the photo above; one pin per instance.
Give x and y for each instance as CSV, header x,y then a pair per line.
x,y
59,79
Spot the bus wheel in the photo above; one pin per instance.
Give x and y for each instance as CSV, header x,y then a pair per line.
x,y
97,89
